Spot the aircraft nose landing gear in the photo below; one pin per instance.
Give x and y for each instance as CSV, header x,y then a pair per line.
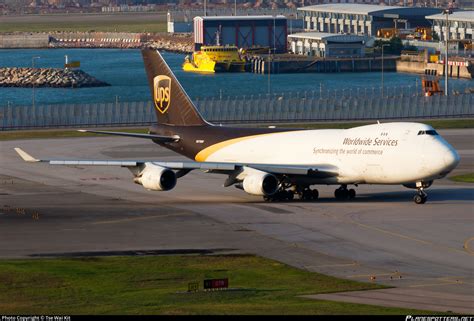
x,y
420,196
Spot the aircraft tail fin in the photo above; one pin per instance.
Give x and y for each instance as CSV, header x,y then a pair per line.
x,y
172,105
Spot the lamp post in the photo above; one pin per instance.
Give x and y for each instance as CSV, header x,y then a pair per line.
x,y
447,12
383,45
274,32
33,66
269,71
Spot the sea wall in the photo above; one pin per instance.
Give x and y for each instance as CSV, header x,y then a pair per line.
x,y
163,41
434,68
47,77
24,40
262,65
122,40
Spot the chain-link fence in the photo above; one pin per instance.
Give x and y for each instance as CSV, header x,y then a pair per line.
x,y
263,108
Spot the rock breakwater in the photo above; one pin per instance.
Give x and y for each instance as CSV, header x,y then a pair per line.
x,y
47,77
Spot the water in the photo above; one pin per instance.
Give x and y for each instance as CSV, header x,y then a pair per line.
x,y
124,70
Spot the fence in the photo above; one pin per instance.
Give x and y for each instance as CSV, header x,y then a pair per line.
x,y
260,109
321,91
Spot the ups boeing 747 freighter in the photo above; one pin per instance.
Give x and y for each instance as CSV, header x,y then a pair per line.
x,y
275,163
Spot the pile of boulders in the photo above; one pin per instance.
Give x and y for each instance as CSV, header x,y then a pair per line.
x,y
47,77
171,46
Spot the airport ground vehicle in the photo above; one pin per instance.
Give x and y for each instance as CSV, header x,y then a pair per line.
x,y
430,85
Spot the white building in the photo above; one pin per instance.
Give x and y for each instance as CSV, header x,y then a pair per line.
x,y
320,44
461,25
363,19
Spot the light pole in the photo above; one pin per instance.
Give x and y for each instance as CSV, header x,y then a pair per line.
x,y
33,66
383,45
274,44
447,12
235,8
269,71
291,24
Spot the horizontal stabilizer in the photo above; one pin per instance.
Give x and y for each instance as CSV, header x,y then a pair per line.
x,y
163,139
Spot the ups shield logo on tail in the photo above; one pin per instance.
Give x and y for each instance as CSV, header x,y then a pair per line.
x,y
162,92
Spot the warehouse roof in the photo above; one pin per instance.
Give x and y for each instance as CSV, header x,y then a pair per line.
x,y
457,15
347,8
371,9
240,17
331,37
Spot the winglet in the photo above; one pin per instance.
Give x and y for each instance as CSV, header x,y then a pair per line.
x,y
26,157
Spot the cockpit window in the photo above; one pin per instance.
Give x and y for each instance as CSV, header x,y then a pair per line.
x,y
431,132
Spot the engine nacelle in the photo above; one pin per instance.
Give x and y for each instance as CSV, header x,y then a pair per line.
x,y
157,178
260,183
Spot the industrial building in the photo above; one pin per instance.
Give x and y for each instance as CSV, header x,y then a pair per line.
x,y
461,25
465,4
181,21
363,19
327,45
242,31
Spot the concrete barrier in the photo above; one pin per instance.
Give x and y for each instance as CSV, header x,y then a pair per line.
x,y
24,40
420,67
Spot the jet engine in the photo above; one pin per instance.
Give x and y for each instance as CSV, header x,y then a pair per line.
x,y
156,178
260,183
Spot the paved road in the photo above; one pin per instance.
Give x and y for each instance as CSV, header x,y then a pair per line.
x,y
381,236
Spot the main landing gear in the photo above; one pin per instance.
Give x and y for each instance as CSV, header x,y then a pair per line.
x,y
342,193
303,193
280,196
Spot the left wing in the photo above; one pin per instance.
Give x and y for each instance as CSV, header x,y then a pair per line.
x,y
316,171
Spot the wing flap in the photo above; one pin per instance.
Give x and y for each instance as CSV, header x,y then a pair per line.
x,y
94,162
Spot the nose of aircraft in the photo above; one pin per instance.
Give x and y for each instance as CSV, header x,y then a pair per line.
x,y
451,158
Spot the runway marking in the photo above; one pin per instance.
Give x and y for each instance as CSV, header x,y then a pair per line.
x,y
332,265
357,276
448,280
410,238
134,219
389,232
435,284
467,247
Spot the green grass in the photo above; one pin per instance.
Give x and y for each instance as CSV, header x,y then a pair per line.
x,y
53,133
137,26
118,23
57,133
464,178
155,285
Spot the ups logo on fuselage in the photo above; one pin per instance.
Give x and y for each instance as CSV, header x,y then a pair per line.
x,y
162,92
